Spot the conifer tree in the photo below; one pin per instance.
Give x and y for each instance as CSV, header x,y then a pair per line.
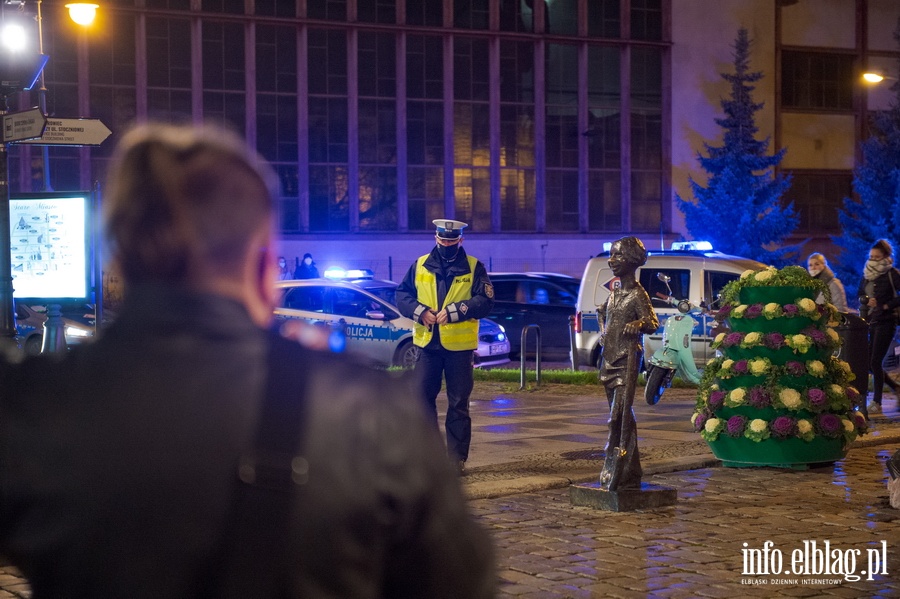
x,y
875,213
740,210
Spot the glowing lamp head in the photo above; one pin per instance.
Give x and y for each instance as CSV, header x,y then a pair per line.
x,y
82,13
873,77
13,37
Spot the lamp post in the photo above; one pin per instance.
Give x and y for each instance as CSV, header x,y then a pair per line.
x,y
19,71
83,14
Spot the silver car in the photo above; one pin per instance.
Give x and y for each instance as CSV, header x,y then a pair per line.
x,y
365,320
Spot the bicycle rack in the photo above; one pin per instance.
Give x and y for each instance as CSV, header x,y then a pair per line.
x,y
537,355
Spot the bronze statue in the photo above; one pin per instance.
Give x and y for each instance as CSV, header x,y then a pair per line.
x,y
626,315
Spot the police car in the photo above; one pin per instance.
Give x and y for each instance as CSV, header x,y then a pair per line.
x,y
363,319
697,273
30,321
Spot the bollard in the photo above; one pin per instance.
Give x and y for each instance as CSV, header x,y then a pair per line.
x,y
537,355
573,350
54,332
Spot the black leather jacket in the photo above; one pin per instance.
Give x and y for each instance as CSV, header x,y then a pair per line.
x,y
885,293
117,466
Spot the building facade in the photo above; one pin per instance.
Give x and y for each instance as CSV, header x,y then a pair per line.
x,y
549,126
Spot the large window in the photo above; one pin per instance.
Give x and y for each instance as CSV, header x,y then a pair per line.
x,y
329,207
112,70
224,96
817,198
646,139
424,130
816,80
604,139
377,132
276,111
383,115
424,12
517,136
562,137
471,135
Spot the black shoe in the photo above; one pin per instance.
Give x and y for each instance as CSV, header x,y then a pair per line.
x,y
461,467
893,465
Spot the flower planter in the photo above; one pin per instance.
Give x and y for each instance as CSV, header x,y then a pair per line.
x,y
779,295
778,357
778,453
819,424
783,324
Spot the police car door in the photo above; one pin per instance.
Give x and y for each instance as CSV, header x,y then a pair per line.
x,y
363,320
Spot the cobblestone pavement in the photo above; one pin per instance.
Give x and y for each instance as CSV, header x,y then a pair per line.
x,y
529,446
549,548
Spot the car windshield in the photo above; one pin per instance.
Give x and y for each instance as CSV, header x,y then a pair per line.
x,y
387,293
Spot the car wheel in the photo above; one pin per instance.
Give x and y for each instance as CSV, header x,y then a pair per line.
x,y
407,355
33,345
656,378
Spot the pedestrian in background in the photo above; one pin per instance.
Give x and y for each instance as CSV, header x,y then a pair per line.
x,y
284,273
818,268
445,292
877,300
306,269
191,451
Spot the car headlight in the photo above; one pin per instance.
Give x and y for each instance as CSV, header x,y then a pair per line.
x,y
76,332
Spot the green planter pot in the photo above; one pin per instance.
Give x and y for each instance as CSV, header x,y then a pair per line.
x,y
744,380
788,453
779,295
778,356
783,324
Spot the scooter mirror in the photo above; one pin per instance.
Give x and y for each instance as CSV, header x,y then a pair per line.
x,y
663,277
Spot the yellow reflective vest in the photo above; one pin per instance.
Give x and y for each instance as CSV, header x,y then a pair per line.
x,y
455,336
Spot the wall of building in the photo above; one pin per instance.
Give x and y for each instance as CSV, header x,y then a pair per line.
x,y
390,257
703,35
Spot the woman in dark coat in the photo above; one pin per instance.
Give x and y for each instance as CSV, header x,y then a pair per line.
x,y
877,300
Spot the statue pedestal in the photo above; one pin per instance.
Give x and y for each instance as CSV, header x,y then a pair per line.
x,y
624,500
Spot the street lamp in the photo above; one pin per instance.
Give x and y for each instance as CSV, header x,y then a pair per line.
x,y
82,13
873,77
19,71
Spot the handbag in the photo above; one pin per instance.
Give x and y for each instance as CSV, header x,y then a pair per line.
x,y
896,310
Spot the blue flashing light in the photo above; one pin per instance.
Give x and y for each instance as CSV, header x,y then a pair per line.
x,y
703,246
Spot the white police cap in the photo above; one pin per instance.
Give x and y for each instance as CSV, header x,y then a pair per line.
x,y
449,229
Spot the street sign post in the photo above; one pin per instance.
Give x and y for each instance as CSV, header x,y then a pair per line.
x,y
19,126
71,132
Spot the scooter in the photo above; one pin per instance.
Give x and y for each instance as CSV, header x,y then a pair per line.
x,y
675,356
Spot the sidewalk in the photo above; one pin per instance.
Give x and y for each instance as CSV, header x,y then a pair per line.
x,y
552,436
734,532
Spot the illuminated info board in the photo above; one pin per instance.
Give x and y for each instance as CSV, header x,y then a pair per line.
x,y
50,245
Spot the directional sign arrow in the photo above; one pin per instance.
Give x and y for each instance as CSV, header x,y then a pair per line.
x,y
72,132
19,126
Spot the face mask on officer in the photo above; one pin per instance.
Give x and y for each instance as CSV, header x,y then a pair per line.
x,y
448,252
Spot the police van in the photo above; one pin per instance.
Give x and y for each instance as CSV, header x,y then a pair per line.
x,y
697,274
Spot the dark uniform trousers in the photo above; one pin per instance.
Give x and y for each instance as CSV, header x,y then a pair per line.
x,y
434,364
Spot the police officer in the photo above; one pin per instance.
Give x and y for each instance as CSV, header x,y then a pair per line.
x,y
445,292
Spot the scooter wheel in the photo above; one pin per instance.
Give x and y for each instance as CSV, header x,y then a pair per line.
x,y
654,389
